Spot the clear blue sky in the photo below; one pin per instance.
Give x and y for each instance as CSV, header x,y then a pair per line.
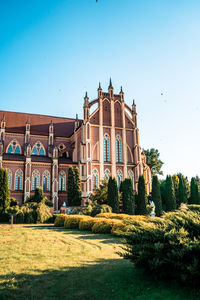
x,y
52,51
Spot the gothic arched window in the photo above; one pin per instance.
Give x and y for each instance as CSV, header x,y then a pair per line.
x,y
62,180
95,179
38,149
35,179
106,148
9,178
18,180
131,176
119,178
46,181
107,174
14,148
118,149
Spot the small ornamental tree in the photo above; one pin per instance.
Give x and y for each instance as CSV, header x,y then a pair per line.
x,y
70,187
182,191
156,196
142,197
77,183
127,196
170,199
113,197
100,195
194,192
4,191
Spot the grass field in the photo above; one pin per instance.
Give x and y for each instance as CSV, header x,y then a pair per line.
x,y
44,262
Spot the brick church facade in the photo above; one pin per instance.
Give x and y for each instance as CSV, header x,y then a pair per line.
x,y
37,150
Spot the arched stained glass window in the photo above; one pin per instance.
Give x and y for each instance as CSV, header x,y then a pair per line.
x,y
119,178
107,174
118,149
131,176
35,180
62,179
9,178
46,181
38,149
95,179
14,148
18,180
106,148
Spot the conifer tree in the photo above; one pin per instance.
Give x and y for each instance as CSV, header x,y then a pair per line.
x,y
194,192
4,191
77,182
170,198
113,197
70,187
156,196
142,197
182,194
127,196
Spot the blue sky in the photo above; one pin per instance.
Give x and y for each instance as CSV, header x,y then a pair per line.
x,y
52,51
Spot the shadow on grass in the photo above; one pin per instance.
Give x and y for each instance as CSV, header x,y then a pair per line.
x,y
106,279
105,238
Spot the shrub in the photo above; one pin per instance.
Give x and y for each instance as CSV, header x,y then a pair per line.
x,y
97,209
59,221
86,223
72,221
105,225
194,207
169,248
32,213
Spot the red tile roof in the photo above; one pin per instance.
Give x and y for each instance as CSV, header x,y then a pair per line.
x,y
16,123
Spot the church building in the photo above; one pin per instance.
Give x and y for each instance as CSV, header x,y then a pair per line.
x,y
37,150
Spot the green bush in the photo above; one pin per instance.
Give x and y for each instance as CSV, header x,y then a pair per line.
x,y
105,225
194,207
86,224
169,248
72,221
97,209
32,213
59,221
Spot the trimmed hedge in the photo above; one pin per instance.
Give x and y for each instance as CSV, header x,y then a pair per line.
x,y
60,219
106,225
72,221
194,207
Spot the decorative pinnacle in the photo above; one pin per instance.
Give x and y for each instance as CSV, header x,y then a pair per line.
x,y
121,91
110,85
133,101
100,85
28,120
3,118
76,116
86,95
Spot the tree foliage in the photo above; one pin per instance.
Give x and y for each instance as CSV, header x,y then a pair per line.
x,y
141,197
127,196
194,192
4,191
113,197
156,196
170,199
153,161
182,192
70,187
100,195
77,182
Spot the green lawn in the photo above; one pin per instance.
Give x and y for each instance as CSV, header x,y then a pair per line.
x,y
43,262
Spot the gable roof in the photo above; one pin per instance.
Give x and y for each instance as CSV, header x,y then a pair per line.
x,y
39,124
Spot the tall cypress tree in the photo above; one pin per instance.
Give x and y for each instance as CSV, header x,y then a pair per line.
x,y
70,187
142,197
156,196
77,182
170,194
127,195
4,191
194,192
113,197
182,191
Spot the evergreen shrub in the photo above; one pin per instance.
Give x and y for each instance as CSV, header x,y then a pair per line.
x,y
72,221
168,249
32,213
97,209
105,225
194,207
60,219
87,223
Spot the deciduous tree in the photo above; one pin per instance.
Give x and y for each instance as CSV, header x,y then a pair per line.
x,y
153,161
